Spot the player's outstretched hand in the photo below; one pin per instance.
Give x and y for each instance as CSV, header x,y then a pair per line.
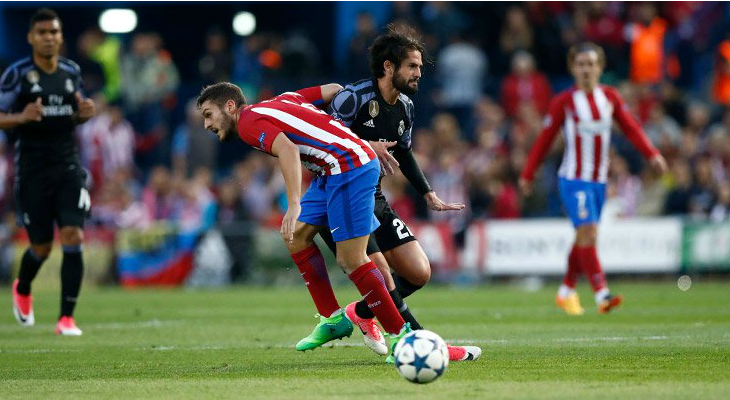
x,y
659,164
525,186
289,222
33,111
387,161
436,204
86,107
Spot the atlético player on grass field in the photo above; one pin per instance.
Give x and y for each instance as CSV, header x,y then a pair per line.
x,y
41,103
586,112
341,197
378,110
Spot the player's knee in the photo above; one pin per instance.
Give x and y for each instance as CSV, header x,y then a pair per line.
x,y
587,235
42,250
421,272
351,262
72,236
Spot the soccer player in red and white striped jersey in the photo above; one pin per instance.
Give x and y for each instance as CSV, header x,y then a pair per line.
x,y
341,197
586,113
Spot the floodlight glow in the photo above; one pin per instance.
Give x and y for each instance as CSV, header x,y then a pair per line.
x,y
118,20
244,23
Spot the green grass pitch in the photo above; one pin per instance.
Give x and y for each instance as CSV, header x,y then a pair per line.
x,y
238,343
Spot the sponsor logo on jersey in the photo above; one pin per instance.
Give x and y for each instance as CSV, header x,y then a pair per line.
x,y
370,123
374,108
401,128
69,85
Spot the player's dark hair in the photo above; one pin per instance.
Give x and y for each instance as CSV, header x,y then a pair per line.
x,y
394,46
586,47
44,14
220,93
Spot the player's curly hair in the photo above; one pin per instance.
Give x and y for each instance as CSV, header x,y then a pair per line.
x,y
219,93
394,46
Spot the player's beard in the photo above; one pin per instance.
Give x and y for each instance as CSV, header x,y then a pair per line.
x,y
401,85
228,129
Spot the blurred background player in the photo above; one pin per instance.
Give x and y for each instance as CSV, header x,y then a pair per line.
x,y
586,112
378,110
341,197
41,102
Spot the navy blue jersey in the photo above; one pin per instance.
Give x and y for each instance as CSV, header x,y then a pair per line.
x,y
48,143
361,107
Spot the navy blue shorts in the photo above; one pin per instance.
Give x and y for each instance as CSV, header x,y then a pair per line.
x,y
345,202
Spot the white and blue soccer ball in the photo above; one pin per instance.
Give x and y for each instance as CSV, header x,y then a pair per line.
x,y
421,356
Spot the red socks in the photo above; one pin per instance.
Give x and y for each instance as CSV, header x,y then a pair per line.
x,y
314,272
588,261
370,283
574,269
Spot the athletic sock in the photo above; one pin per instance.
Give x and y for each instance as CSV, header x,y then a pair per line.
x,y
72,271
565,291
574,269
29,266
370,283
588,259
404,287
601,295
314,272
362,310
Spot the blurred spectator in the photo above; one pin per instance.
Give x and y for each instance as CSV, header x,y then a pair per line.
x,y
96,47
92,72
646,36
357,52
150,80
626,186
192,145
721,209
721,83
678,198
158,196
525,85
108,142
650,202
215,65
516,32
662,129
234,222
461,71
443,20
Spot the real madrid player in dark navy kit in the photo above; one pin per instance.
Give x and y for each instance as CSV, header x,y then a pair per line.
x,y
41,103
379,110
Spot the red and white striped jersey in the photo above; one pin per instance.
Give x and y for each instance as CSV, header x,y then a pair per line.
x,y
586,119
325,145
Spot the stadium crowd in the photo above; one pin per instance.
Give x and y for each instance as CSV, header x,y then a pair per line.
x,y
479,108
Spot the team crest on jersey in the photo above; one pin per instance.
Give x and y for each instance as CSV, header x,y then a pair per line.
x,y
401,128
69,85
374,108
33,78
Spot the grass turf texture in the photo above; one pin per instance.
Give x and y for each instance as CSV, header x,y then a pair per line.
x,y
238,343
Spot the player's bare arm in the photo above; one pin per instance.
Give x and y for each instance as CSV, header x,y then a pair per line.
x,y
32,112
387,161
288,154
329,91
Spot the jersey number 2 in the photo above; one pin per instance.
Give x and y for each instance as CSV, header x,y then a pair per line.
x,y
401,229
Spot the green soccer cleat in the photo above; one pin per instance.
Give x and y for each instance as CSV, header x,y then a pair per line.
x,y
327,329
394,341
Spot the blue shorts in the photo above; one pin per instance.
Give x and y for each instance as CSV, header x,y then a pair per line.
x,y
582,200
344,202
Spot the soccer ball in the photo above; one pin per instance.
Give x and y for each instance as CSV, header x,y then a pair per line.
x,y
421,356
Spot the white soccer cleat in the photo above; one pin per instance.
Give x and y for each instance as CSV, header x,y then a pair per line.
x,y
372,336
